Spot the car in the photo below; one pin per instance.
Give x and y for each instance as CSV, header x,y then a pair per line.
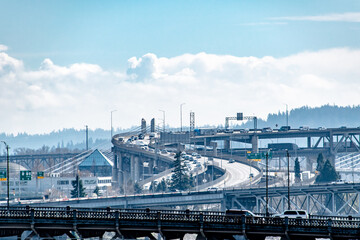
x,y
266,129
284,129
238,212
212,189
231,160
304,128
321,128
164,151
293,214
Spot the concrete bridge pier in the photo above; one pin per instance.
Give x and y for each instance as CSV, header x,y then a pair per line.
x,y
227,145
255,143
132,168
214,145
136,168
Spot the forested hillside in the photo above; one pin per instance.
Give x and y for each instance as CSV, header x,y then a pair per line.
x,y
73,140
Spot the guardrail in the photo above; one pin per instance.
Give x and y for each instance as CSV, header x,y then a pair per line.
x,y
126,222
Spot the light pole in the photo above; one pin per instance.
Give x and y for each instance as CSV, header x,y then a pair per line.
x,y
7,174
181,116
288,172
87,137
287,115
111,131
163,119
267,184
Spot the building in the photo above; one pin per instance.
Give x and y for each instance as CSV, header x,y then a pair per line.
x,y
97,165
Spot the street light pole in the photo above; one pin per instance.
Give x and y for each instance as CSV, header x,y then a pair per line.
x,y
111,131
163,119
7,174
288,172
181,116
287,116
267,184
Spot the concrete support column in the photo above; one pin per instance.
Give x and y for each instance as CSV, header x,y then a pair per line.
x,y
254,143
132,167
309,142
151,166
115,173
214,145
227,145
137,169
204,146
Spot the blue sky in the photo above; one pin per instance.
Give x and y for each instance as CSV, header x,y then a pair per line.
x,y
110,32
68,63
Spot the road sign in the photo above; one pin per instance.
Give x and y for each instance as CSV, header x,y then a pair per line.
x,y
254,156
40,175
25,175
3,175
263,155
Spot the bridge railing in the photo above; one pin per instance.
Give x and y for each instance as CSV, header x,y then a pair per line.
x,y
173,216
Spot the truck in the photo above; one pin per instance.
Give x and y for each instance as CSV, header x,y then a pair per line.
x,y
282,146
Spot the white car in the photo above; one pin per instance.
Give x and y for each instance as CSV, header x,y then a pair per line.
x,y
293,214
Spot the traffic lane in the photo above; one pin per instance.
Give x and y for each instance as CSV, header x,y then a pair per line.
x,y
237,173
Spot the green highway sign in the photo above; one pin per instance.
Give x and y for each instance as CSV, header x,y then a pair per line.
x,y
253,156
2,175
263,155
258,156
25,175
40,175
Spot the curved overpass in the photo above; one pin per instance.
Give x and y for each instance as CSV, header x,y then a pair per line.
x,y
236,173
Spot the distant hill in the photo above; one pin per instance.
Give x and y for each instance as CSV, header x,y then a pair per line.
x,y
324,116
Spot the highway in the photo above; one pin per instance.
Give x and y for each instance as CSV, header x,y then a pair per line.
x,y
237,174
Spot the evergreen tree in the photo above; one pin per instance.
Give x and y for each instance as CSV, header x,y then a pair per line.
x,y
320,162
297,170
153,186
162,186
79,190
180,180
137,188
97,191
327,173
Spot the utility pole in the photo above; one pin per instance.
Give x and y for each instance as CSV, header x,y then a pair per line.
x,y
181,116
87,137
267,184
7,174
288,172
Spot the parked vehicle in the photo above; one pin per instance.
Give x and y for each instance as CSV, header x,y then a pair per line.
x,y
293,214
231,160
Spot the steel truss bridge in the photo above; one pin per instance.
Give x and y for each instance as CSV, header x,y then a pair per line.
x,y
331,199
47,223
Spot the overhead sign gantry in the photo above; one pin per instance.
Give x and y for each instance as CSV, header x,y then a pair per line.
x,y
240,117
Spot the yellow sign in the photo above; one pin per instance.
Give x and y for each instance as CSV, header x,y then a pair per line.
x,y
3,179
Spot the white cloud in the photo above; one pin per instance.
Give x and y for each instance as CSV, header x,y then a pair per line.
x,y
3,48
335,17
213,86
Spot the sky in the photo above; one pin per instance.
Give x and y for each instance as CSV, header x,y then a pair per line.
x,y
67,64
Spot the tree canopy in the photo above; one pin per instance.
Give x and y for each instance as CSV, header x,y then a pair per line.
x,y
78,188
327,173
